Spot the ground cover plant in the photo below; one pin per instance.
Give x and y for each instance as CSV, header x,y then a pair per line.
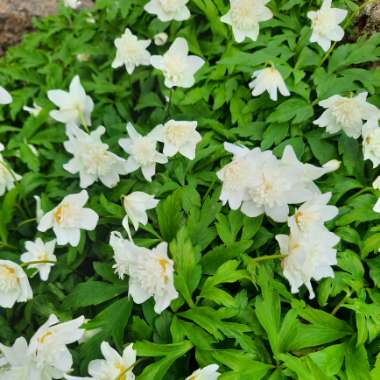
x,y
189,190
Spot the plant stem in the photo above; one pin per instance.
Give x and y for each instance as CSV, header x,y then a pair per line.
x,y
342,301
37,262
268,257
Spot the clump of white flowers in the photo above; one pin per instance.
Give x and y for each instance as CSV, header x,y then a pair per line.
x,y
325,24
209,372
7,176
131,52
268,79
113,366
92,158
5,96
260,183
142,153
167,10
347,114
75,106
244,16
40,255
69,218
46,356
177,66
371,142
73,4
14,284
150,271
178,137
309,250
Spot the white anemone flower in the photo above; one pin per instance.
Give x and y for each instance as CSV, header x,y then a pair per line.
x,y
307,255
371,142
73,4
314,212
325,25
347,114
49,344
160,39
7,176
142,153
244,16
131,52
150,272
5,96
40,251
209,372
92,158
69,218
168,10
269,80
178,137
177,66
75,106
136,204
14,284
34,111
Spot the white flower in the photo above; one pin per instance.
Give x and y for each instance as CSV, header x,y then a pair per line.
x,y
314,212
83,57
346,114
325,24
207,373
49,344
136,204
5,96
142,153
34,111
73,4
270,80
40,251
371,142
167,10
7,176
160,39
178,67
131,52
244,16
178,136
150,272
68,218
75,106
14,284
308,255
92,159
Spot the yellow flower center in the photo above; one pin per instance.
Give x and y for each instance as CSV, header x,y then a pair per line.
x,y
43,337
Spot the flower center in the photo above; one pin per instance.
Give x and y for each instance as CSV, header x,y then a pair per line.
x,y
8,278
43,256
346,112
324,22
175,66
59,214
122,371
177,134
44,336
164,265
235,175
144,150
169,5
244,14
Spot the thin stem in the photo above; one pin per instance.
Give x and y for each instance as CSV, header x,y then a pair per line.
x,y
37,262
268,257
342,301
5,245
26,222
364,190
122,374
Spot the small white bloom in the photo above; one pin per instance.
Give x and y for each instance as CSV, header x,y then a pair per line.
x,y
7,176
49,344
68,218
39,211
178,136
371,142
88,333
346,114
73,4
270,80
150,272
131,52
207,373
14,284
160,39
142,153
308,255
83,57
34,111
244,16
92,159
90,19
167,10
5,96
325,24
75,106
314,212
40,251
136,204
178,67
